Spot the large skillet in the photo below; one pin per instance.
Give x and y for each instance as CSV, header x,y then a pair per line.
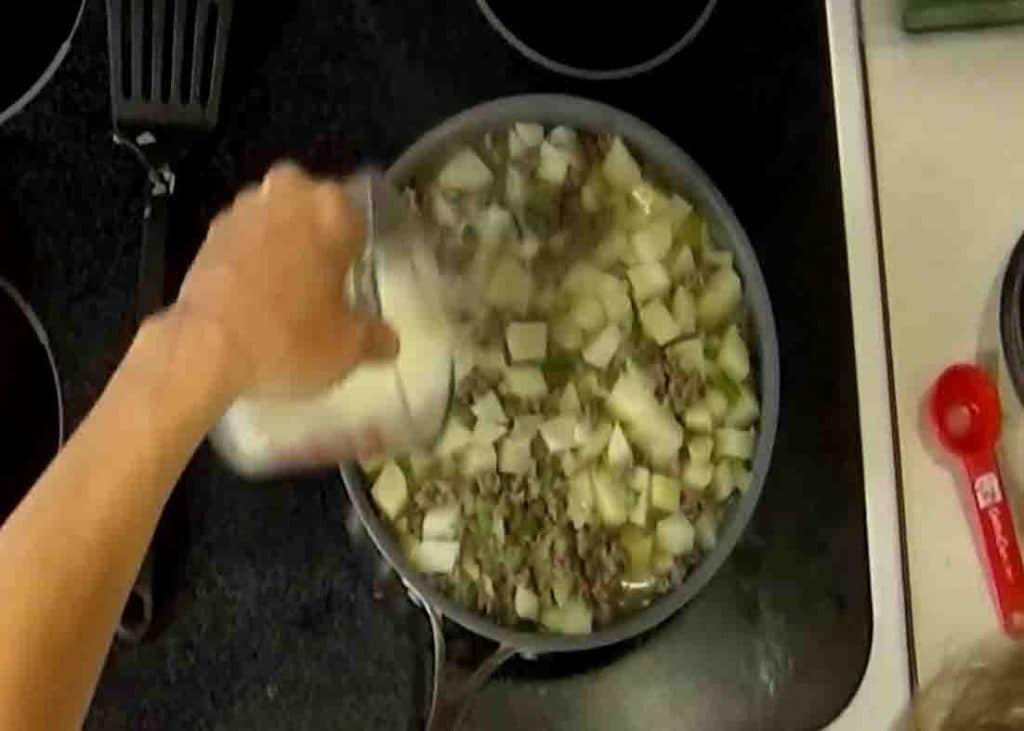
x,y
680,173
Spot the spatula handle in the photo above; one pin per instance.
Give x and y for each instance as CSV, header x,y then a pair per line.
x,y
138,612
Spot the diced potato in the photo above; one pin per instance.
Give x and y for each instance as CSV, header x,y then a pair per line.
x,y
665,460
564,137
697,418
561,586
492,225
648,281
488,408
717,257
691,231
744,411
526,603
610,499
575,618
652,425
681,263
580,499
488,432
675,535
619,453
679,209
435,557
465,172
641,480
554,164
719,298
569,402
743,478
441,522
478,459
603,348
559,433
390,491
530,133
569,463
582,279
442,209
510,287
697,475
589,386
700,448
707,530
652,242
639,546
688,355
592,441
614,295
421,464
526,382
593,191
684,310
723,482
666,493
614,248
372,465
526,426
588,314
735,443
638,515
567,334
515,188
527,340
733,357
454,437
658,323
620,169
649,200
717,403
514,456
661,562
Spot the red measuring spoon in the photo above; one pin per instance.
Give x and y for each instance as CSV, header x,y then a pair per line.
x,y
964,409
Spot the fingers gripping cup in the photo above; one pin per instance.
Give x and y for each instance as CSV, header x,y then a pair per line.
x,y
378,408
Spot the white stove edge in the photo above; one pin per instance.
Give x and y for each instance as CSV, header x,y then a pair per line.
x,y
884,692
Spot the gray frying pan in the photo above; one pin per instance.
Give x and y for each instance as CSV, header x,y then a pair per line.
x,y
682,174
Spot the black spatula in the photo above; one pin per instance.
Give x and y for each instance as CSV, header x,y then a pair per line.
x,y
166,71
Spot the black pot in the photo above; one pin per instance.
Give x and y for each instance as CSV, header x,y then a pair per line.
x,y
30,398
1011,323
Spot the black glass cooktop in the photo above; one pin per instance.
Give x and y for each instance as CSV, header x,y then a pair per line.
x,y
269,624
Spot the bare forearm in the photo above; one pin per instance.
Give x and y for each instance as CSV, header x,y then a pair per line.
x,y
69,553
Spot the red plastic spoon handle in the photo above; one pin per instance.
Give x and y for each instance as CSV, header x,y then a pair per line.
x,y
999,539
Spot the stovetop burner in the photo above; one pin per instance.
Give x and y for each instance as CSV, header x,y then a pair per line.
x,y
577,39
781,636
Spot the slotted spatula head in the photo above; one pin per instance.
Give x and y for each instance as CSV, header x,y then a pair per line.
x,y
167,62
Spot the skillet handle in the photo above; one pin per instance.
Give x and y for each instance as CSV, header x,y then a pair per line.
x,y
452,688
138,612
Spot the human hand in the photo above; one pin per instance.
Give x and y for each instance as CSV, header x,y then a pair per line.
x,y
271,277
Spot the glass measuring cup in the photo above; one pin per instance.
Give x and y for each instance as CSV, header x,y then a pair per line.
x,y
377,409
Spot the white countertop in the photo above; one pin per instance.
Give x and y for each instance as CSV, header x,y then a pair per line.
x,y
946,121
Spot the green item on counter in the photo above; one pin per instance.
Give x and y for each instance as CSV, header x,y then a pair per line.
x,y
924,15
